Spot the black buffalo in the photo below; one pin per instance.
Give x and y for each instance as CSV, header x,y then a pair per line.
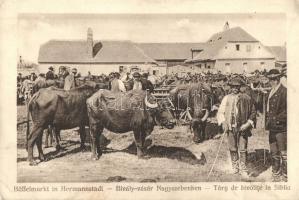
x,y
134,110
198,99
60,109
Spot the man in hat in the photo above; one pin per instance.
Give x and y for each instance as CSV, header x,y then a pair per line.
x,y
137,85
276,123
19,78
237,116
146,84
32,77
69,81
50,74
116,84
153,78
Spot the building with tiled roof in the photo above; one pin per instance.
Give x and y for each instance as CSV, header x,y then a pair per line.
x,y
280,54
233,51
93,55
169,55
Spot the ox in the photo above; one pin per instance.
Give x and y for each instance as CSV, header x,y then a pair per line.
x,y
60,109
198,99
122,112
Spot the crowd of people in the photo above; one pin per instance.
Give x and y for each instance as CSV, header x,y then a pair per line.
x,y
237,115
124,81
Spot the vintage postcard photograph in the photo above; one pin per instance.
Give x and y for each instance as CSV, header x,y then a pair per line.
x,y
148,98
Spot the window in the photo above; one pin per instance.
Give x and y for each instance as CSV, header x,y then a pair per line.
x,y
262,63
237,47
225,47
248,48
198,65
219,38
209,67
227,64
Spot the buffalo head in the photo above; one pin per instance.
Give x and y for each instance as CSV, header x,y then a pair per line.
x,y
198,127
162,111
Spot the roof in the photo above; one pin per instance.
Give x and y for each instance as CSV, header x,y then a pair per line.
x,y
218,40
75,51
170,51
279,52
236,34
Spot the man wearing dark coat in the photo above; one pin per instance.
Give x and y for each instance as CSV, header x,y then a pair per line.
x,y
237,115
50,74
276,123
146,84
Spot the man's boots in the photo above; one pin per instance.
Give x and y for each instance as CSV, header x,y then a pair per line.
x,y
284,167
235,161
276,163
243,162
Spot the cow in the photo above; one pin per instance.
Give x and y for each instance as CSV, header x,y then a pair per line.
x,y
60,109
198,99
122,112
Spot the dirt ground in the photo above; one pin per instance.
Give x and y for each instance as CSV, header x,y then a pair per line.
x,y
173,158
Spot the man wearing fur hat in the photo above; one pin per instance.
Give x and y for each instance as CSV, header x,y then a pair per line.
x,y
237,115
276,123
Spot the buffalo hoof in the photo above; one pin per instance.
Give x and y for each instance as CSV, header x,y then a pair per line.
x,y
44,159
33,163
41,158
83,148
93,157
58,148
197,141
148,142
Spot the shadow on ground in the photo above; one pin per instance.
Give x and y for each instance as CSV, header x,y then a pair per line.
x,y
258,161
175,153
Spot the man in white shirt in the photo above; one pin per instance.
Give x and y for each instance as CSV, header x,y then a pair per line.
x,y
117,85
237,115
153,78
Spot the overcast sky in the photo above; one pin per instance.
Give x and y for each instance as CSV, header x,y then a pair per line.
x,y
36,29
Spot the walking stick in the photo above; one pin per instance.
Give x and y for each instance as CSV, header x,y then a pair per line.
x,y
216,156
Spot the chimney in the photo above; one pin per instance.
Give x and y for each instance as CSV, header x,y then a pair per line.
x,y
226,26
89,43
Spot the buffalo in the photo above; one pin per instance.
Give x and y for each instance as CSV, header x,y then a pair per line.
x,y
135,110
197,99
59,109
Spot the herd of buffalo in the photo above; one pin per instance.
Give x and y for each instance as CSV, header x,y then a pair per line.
x,y
91,104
